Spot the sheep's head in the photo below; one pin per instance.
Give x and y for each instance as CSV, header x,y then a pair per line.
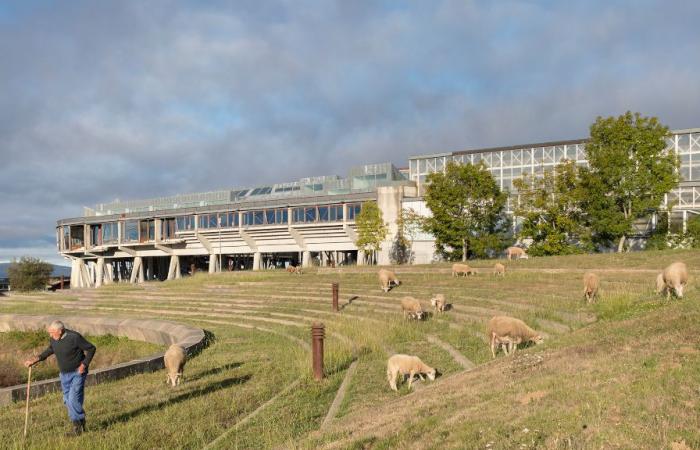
x,y
419,315
431,374
174,378
537,339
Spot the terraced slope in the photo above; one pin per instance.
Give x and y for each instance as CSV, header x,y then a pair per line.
x,y
252,387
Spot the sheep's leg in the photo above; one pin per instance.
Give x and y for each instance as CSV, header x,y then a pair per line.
x,y
420,375
411,374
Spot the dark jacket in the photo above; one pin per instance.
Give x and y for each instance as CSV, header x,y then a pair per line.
x,y
70,349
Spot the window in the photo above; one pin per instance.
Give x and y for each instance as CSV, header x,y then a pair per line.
x,y
258,218
147,230
167,228
223,220
208,221
66,238
270,216
184,223
298,215
131,231
95,235
109,233
323,213
310,214
336,213
282,216
353,210
233,219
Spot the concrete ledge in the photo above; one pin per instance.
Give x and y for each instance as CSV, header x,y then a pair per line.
x,y
155,331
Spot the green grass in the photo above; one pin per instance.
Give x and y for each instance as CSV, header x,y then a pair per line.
x,y
619,373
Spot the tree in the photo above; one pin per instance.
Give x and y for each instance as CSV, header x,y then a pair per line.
x,y
371,230
408,223
551,210
29,274
467,210
629,173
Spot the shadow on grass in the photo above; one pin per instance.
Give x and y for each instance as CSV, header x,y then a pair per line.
x,y
197,392
214,371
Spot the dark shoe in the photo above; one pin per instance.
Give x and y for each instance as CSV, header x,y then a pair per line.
x,y
82,425
76,429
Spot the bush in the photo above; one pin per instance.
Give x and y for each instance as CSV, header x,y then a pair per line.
x,y
29,274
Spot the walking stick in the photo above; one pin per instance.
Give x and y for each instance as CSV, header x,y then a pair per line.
x,y
26,409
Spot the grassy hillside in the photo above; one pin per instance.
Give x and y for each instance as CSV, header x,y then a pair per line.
x,y
623,373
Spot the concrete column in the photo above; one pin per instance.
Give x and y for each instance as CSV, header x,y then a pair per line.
x,y
99,272
173,267
306,259
150,266
256,261
74,274
137,271
685,221
389,201
84,274
109,273
213,263
360,258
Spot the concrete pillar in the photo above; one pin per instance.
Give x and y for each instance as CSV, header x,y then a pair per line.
x,y
85,280
74,274
685,221
306,259
256,261
213,263
99,272
174,269
109,273
360,258
137,271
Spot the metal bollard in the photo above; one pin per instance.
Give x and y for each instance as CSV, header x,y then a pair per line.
x,y
63,280
335,297
317,335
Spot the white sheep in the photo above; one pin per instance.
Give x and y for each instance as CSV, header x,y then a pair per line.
x,y
499,269
175,359
462,269
412,308
516,252
294,269
438,302
508,331
660,284
591,284
407,365
675,278
387,278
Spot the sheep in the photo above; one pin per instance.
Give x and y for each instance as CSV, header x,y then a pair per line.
x,y
407,365
675,278
508,331
591,283
412,308
387,278
438,302
499,269
458,269
660,284
516,252
175,359
294,269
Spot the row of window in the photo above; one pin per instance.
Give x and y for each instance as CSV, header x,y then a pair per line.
x,y
145,230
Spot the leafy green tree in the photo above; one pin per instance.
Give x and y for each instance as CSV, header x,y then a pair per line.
x,y
693,231
550,206
29,274
371,230
629,173
408,223
467,211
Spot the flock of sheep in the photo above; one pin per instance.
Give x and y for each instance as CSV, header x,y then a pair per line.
x,y
504,333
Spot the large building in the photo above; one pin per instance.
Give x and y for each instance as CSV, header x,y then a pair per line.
x,y
307,222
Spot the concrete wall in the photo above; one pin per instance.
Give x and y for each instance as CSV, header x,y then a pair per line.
x,y
154,331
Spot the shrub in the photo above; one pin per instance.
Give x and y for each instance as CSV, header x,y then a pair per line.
x,y
29,274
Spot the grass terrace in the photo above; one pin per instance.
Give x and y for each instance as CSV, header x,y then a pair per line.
x,y
621,373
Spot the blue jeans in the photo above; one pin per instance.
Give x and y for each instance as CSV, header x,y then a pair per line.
x,y
73,385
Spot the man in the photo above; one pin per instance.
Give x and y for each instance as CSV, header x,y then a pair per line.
x,y
73,354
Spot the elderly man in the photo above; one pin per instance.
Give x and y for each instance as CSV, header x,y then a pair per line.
x,y
73,354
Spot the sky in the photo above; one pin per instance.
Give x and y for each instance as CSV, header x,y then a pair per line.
x,y
133,99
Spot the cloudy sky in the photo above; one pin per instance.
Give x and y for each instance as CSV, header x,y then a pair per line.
x,y
134,99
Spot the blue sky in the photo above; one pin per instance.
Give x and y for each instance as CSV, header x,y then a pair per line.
x,y
132,99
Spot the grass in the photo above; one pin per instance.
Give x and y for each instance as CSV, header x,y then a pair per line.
x,y
621,373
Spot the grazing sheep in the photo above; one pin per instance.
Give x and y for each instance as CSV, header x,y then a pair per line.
x,y
516,252
459,269
591,283
499,269
412,308
294,269
175,359
660,284
675,278
387,278
407,365
508,331
438,302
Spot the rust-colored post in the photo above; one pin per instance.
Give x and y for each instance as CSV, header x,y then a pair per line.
x,y
317,335
335,297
